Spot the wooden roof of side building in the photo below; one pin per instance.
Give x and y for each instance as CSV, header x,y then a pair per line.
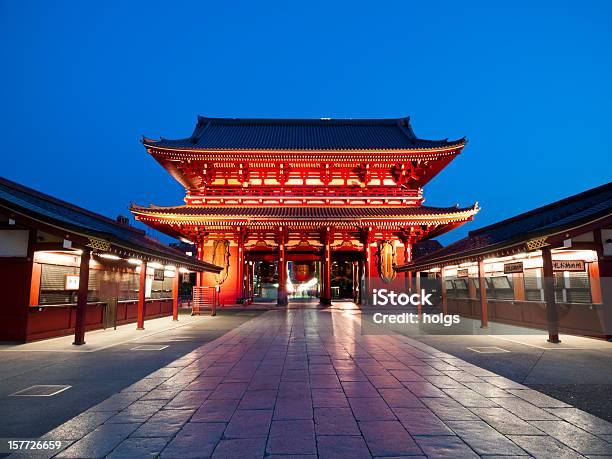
x,y
571,212
21,200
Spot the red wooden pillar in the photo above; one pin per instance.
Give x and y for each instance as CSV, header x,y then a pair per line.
x,y
175,293
326,239
367,237
142,287
407,259
240,287
594,280
281,296
81,309
249,280
418,291
360,279
199,256
245,280
482,286
443,290
552,315
367,273
355,272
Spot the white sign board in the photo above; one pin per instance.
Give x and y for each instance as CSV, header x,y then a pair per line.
x,y
71,282
568,265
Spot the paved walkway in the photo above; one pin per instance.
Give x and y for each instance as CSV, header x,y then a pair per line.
x,y
97,340
306,382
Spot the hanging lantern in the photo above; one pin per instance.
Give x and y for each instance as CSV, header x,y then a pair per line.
x,y
386,261
302,271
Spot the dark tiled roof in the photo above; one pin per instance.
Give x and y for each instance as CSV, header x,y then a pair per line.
x,y
20,199
569,212
423,248
302,212
302,134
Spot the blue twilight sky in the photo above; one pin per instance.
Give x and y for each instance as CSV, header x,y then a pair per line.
x,y
530,86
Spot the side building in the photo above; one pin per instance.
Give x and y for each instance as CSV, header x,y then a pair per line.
x,y
549,268
67,270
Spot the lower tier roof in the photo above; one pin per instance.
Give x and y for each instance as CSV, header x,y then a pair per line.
x,y
306,212
188,221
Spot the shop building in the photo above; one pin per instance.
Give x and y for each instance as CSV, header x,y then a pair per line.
x,y
548,268
67,270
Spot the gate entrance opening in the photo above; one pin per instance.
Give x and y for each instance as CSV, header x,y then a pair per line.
x,y
304,279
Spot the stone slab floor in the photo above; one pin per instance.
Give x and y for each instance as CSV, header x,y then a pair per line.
x,y
305,383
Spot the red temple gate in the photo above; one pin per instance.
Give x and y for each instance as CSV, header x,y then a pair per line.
x,y
302,208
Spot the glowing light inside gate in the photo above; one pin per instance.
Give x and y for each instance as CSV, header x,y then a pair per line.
x,y
301,287
308,284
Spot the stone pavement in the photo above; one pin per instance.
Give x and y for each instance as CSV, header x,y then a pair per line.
x,y
306,382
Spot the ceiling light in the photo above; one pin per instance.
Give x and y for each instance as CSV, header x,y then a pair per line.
x,y
109,256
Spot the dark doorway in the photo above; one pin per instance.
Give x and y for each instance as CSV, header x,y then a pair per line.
x,y
265,280
342,275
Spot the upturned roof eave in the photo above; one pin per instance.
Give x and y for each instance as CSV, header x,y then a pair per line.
x,y
452,145
171,214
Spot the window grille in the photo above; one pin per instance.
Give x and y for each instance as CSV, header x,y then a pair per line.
x,y
93,288
502,287
162,289
576,287
570,287
461,287
53,285
533,285
451,292
128,286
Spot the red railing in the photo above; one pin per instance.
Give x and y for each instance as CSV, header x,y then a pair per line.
x,y
204,299
307,192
